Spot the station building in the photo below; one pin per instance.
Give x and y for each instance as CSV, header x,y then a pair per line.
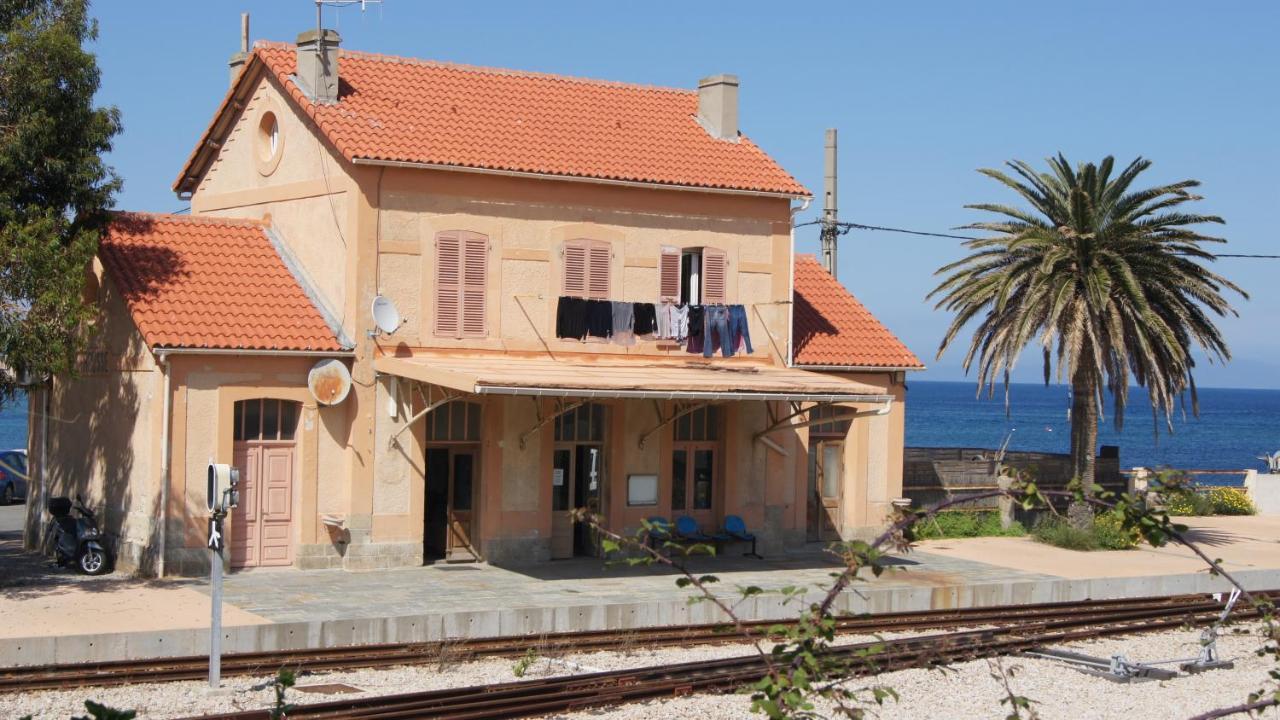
x,y
473,201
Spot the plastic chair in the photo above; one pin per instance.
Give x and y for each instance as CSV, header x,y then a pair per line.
x,y
659,531
736,528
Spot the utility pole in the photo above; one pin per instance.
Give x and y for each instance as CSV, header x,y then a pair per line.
x,y
830,230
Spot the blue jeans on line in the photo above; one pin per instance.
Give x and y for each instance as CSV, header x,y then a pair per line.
x,y
716,319
738,328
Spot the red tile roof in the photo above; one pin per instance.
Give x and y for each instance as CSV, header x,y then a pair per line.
x,y
832,328
407,110
199,282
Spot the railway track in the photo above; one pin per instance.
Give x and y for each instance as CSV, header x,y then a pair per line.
x,y
31,678
579,692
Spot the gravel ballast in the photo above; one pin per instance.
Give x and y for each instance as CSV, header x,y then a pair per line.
x,y
966,690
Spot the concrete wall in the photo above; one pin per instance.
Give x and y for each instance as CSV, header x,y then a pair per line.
x,y
103,434
929,470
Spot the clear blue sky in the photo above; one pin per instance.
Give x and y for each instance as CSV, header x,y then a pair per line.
x,y
922,93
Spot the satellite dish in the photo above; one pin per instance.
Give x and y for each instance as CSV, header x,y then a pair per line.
x,y
385,315
329,381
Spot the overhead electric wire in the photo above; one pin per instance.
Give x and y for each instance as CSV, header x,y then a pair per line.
x,y
847,226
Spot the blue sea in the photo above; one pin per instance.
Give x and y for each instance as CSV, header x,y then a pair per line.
x,y
1234,426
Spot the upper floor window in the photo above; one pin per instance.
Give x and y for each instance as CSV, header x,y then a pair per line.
x,y
462,260
586,268
693,276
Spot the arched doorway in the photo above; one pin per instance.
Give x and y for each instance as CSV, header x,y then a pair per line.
x,y
264,450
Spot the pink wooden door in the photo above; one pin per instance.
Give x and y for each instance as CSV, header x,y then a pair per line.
x,y
262,525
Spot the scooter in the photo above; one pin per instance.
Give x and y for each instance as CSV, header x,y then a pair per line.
x,y
77,541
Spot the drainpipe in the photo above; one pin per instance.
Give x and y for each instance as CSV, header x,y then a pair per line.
x,y
47,404
791,276
164,459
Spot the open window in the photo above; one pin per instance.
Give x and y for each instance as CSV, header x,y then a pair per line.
x,y
693,276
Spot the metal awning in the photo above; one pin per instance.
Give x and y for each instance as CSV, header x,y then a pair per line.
x,y
622,377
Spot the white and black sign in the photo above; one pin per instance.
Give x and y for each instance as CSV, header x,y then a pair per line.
x,y
215,534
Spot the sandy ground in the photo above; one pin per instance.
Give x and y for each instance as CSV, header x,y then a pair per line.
x,y
1248,542
63,610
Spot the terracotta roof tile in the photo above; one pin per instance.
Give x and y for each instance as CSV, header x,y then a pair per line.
x,y
197,282
832,328
402,109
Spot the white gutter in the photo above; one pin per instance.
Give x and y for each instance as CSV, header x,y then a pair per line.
x,y
165,456
577,178
791,280
679,394
252,351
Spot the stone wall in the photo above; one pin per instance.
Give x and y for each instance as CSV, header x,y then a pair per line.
x,y
933,475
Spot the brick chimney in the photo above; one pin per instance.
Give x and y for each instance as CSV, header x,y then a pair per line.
x,y
318,64
718,105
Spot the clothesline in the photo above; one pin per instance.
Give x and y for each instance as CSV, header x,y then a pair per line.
x,y
703,328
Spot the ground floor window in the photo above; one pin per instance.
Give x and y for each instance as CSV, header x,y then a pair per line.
x,y
452,480
695,445
577,478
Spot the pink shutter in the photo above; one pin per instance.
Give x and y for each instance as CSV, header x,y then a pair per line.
x,y
574,282
448,283
714,276
475,279
598,270
669,274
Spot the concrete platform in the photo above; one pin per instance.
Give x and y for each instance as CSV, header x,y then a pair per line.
x,y
282,609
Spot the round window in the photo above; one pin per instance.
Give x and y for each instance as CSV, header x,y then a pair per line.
x,y
269,142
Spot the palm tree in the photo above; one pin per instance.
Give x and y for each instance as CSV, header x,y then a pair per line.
x,y
1109,282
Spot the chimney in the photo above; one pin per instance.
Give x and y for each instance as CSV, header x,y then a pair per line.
x,y
237,61
718,105
317,73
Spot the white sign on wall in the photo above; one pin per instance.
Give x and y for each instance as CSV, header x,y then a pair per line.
x,y
557,477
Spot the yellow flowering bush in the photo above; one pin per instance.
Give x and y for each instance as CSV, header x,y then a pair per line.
x,y
1231,501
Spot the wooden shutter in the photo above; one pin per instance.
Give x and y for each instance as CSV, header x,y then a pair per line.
x,y
448,283
669,274
586,269
575,269
598,270
475,278
462,265
714,276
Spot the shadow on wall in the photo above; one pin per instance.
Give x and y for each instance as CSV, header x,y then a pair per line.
x,y
94,426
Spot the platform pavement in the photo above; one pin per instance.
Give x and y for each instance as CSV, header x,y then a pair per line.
x,y
293,609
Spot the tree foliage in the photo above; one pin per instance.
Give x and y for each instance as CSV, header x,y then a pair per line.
x,y
55,189
1108,281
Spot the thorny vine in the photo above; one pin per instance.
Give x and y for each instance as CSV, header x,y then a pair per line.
x,y
798,667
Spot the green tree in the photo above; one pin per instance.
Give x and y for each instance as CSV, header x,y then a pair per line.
x,y
1108,281
55,189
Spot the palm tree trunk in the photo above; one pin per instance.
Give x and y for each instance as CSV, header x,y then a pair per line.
x,y
1084,425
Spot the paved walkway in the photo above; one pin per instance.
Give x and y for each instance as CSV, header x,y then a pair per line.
x,y
291,596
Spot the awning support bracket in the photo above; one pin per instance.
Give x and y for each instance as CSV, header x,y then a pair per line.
x,y
680,411
561,408
762,436
447,397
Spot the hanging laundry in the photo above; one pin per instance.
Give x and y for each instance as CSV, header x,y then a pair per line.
x,y
599,318
717,331
571,318
680,322
646,318
624,314
696,328
739,329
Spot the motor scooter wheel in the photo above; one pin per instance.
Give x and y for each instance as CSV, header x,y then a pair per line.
x,y
92,562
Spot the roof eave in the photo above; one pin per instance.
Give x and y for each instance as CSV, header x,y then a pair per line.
x,y
576,178
862,368
210,142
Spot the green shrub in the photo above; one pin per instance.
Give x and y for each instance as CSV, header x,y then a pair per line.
x,y
1054,530
1230,501
1106,533
965,524
1108,529
1187,502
